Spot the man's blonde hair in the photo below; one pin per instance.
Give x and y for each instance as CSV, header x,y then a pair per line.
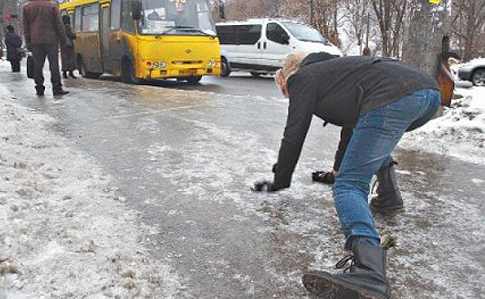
x,y
292,63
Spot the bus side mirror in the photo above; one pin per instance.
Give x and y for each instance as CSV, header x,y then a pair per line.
x,y
222,13
136,10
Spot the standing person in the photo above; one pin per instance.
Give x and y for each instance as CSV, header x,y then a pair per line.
x,y
381,99
67,52
13,43
43,30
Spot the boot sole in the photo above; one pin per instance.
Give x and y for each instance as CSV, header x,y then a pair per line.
x,y
387,211
326,286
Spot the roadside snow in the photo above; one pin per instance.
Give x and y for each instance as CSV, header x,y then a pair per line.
x,y
63,230
460,132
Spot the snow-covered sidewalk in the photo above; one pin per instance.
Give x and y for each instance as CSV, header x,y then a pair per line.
x,y
63,231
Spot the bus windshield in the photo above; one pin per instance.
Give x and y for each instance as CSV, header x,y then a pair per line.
x,y
305,33
191,17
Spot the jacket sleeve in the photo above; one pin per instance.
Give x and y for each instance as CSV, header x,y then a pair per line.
x,y
300,113
59,26
26,27
69,32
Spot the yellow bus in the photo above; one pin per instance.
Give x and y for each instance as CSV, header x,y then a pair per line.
x,y
144,39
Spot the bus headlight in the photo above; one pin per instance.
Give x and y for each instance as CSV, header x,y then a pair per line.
x,y
212,63
163,64
156,64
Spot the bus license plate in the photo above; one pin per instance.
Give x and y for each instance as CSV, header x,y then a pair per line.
x,y
188,72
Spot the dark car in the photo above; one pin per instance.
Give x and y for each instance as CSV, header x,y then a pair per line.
x,y
473,71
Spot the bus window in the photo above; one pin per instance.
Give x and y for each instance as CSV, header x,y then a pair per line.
x,y
63,12
176,17
77,19
127,22
115,14
90,18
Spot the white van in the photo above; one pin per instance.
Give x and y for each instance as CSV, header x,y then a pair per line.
x,y
260,46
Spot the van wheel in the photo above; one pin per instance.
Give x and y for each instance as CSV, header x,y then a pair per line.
x,y
225,69
84,72
194,80
128,72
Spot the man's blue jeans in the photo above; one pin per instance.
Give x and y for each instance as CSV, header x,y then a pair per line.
x,y
375,136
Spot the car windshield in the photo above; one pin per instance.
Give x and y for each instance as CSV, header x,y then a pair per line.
x,y
176,17
305,33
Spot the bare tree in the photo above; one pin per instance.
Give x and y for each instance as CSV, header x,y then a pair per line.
x,y
390,15
468,27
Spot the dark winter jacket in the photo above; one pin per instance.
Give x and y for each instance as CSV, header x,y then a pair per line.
x,y
42,23
338,90
70,35
13,43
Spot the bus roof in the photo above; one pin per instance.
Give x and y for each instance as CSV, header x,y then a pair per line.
x,y
73,3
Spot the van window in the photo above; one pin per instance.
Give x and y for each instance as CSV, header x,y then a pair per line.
x,y
90,17
248,34
227,35
276,33
115,14
305,33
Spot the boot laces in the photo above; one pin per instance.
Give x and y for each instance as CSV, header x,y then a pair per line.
x,y
343,263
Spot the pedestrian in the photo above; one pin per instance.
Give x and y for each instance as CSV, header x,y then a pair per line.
x,y
13,42
67,52
43,31
381,99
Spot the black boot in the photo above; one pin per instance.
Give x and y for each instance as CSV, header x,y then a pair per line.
x,y
364,279
388,200
64,74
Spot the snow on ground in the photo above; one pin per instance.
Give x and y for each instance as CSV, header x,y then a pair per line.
x,y
459,132
63,230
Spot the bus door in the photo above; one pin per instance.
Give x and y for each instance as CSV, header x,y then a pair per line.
x,y
105,32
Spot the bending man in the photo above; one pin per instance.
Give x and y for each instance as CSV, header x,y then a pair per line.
x,y
381,99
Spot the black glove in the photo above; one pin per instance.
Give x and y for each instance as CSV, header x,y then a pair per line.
x,y
323,177
263,186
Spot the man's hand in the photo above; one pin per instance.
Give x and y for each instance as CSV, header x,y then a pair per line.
x,y
263,186
325,177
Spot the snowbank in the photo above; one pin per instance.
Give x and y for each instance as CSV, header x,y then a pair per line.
x,y
63,230
459,132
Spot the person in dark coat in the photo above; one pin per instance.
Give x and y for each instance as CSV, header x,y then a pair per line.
x,y
43,31
13,43
67,52
381,99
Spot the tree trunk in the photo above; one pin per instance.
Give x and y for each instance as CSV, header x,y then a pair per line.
x,y
424,39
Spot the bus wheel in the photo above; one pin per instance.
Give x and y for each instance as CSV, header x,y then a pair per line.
x,y
128,72
225,69
84,72
194,80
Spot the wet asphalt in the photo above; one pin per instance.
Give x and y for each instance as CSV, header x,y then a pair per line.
x,y
184,157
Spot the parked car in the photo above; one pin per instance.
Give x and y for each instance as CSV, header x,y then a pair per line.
x,y
473,71
260,46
